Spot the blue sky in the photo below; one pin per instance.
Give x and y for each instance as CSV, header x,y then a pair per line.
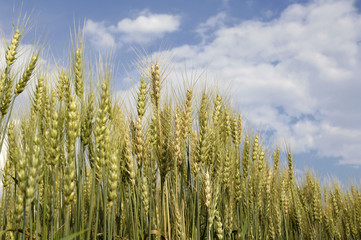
x,y
292,67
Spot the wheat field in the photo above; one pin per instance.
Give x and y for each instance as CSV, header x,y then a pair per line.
x,y
81,166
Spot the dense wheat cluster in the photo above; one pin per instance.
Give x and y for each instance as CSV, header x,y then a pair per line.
x,y
80,166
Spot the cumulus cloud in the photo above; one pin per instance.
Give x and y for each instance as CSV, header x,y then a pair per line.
x,y
99,34
144,28
297,75
153,23
205,30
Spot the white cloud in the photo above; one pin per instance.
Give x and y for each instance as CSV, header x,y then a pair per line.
x,y
268,14
99,34
144,28
149,24
306,62
215,22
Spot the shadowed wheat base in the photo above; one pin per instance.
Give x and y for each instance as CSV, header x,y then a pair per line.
x,y
78,166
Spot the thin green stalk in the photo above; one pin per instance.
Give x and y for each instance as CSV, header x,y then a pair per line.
x,y
91,205
4,203
97,211
104,188
67,220
53,207
150,179
24,217
198,209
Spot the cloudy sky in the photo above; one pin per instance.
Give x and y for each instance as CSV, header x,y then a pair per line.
x,y
292,67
